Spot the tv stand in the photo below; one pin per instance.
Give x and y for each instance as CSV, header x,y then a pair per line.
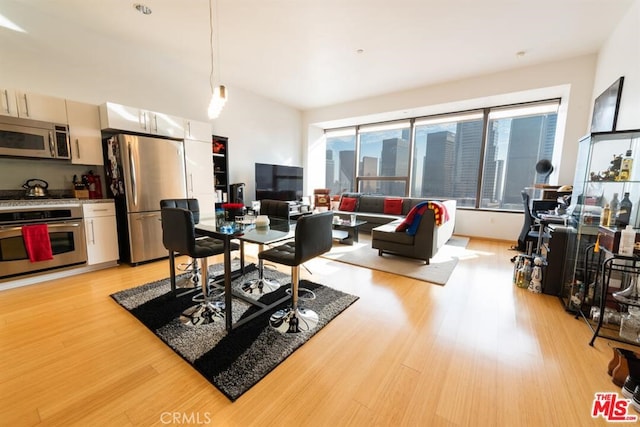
x,y
297,209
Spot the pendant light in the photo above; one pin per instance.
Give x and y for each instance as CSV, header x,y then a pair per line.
x,y
218,93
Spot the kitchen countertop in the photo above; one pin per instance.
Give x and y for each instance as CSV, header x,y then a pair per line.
x,y
9,204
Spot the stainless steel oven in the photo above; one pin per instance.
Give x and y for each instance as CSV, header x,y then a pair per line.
x,y
66,234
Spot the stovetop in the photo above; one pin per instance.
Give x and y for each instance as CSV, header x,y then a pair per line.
x,y
7,195
23,197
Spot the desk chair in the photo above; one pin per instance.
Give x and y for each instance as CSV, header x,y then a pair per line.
x,y
530,234
178,236
312,238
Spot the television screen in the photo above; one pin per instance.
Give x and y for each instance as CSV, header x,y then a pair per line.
x,y
278,182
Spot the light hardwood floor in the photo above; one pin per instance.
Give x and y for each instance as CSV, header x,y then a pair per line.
x,y
476,352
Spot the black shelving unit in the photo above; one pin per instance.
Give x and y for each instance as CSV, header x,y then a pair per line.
x,y
220,152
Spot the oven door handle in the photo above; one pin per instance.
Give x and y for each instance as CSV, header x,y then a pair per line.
x,y
55,225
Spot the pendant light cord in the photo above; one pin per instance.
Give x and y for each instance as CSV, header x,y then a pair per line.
x,y
211,45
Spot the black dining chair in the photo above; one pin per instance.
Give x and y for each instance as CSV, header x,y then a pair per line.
x,y
275,208
194,206
312,238
193,281
178,236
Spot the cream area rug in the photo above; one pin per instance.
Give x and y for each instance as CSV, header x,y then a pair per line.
x,y
438,271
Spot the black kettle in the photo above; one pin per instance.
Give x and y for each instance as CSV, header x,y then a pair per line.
x,y
36,188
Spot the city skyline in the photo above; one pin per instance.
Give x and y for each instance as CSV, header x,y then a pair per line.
x,y
450,153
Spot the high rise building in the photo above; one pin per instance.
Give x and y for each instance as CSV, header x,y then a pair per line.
x,y
347,172
548,140
468,146
369,168
330,173
492,175
394,162
439,165
529,138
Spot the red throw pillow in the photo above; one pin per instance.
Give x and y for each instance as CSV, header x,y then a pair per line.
x,y
393,206
348,204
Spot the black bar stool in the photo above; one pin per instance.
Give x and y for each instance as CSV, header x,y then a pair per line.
x,y
312,238
178,236
194,206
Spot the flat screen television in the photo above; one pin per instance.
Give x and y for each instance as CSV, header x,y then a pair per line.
x,y
278,182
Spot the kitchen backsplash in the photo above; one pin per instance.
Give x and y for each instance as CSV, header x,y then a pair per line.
x,y
59,175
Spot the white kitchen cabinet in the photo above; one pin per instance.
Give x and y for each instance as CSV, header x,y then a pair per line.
x,y
121,117
100,232
32,106
166,125
8,102
200,131
84,132
199,169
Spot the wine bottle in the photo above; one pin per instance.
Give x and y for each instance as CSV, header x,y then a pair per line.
x,y
625,167
624,212
614,204
605,216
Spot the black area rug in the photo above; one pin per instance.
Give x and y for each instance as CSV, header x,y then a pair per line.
x,y
234,361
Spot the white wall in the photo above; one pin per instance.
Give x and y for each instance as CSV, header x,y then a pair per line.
x,y
58,174
259,130
620,56
570,79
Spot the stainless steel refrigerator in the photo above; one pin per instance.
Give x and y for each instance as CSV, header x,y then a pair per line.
x,y
141,171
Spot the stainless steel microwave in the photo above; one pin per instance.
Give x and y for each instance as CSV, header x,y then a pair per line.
x,y
34,139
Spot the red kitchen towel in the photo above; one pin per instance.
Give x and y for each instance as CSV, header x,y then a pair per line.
x,y
36,242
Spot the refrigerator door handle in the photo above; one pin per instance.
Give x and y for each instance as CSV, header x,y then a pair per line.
x,y
149,216
132,170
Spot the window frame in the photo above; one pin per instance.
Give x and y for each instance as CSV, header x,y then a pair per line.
x,y
485,113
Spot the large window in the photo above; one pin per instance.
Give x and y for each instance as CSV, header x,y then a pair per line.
x,y
446,157
517,137
482,159
383,159
340,173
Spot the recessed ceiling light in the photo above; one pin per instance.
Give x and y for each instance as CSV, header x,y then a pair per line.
x,y
142,9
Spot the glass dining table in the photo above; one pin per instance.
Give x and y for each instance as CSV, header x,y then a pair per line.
x,y
278,230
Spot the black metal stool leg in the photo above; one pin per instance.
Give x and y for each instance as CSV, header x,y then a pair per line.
x,y
208,310
192,280
261,285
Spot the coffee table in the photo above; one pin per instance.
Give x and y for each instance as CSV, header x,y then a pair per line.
x,y
346,232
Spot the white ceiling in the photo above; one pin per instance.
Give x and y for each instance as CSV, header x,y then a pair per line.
x,y
303,53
